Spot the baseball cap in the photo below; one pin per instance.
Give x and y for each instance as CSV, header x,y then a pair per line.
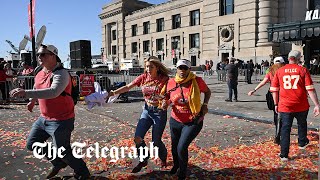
x,y
294,53
49,48
278,60
184,62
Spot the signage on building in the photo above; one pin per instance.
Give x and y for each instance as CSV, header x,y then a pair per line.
x,y
312,15
86,84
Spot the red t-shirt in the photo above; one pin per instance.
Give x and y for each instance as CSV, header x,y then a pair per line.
x,y
181,110
151,87
293,82
59,108
269,77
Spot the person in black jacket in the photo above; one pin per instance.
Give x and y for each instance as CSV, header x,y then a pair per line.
x,y
250,69
232,80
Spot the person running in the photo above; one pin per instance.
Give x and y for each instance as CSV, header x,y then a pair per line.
x,y
289,88
152,81
278,63
183,92
51,89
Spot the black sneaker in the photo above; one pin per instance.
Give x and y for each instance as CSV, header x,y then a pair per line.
x,y
284,158
174,169
139,167
304,147
277,140
82,177
54,171
228,100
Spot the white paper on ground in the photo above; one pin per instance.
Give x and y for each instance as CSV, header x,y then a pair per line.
x,y
113,98
98,99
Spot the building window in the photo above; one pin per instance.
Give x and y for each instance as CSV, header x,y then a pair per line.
x,y
146,46
195,17
134,47
175,42
114,50
134,30
194,41
226,7
176,21
114,35
146,27
160,25
160,44
314,4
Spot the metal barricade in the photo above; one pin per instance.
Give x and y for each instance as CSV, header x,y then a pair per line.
x,y
106,81
24,82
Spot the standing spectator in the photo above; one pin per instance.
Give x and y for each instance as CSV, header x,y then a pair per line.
x,y
211,65
186,121
207,68
223,71
293,82
152,83
278,63
316,65
52,90
266,64
262,67
258,67
3,77
250,70
218,69
232,79
27,71
9,80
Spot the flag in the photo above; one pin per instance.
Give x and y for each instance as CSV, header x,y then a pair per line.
x,y
32,26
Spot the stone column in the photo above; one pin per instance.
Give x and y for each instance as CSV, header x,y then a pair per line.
x,y
267,15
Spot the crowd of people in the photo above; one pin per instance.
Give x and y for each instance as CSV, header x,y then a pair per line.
x,y
290,85
8,79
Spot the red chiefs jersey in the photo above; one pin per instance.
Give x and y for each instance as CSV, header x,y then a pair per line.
x,y
180,105
293,82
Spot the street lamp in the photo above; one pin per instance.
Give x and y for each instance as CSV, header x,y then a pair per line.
x,y
102,50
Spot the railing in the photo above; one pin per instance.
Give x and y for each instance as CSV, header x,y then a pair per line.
x,y
106,81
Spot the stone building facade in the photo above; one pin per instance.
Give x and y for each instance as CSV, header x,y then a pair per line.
x,y
198,30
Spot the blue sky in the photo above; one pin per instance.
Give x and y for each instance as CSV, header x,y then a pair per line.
x,y
66,21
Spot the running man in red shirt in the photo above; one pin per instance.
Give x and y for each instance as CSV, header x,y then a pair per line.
x,y
293,82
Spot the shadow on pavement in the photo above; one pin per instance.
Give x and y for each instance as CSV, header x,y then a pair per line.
x,y
2,107
252,101
71,177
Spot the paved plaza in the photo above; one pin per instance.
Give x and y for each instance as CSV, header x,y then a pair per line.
x,y
235,142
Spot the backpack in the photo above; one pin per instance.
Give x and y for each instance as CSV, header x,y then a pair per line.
x,y
74,88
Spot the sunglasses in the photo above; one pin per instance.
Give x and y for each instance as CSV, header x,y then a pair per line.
x,y
183,67
42,54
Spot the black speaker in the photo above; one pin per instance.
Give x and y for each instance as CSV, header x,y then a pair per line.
x,y
76,64
26,57
72,46
73,55
81,51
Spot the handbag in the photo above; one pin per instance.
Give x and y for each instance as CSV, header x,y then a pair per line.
x,y
269,99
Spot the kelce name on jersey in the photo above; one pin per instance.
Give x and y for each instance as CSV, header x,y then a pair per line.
x,y
290,70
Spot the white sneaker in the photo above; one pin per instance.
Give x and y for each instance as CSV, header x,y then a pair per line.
x,y
304,147
284,159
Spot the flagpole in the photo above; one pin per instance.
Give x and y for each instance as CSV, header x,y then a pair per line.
x,y
34,58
